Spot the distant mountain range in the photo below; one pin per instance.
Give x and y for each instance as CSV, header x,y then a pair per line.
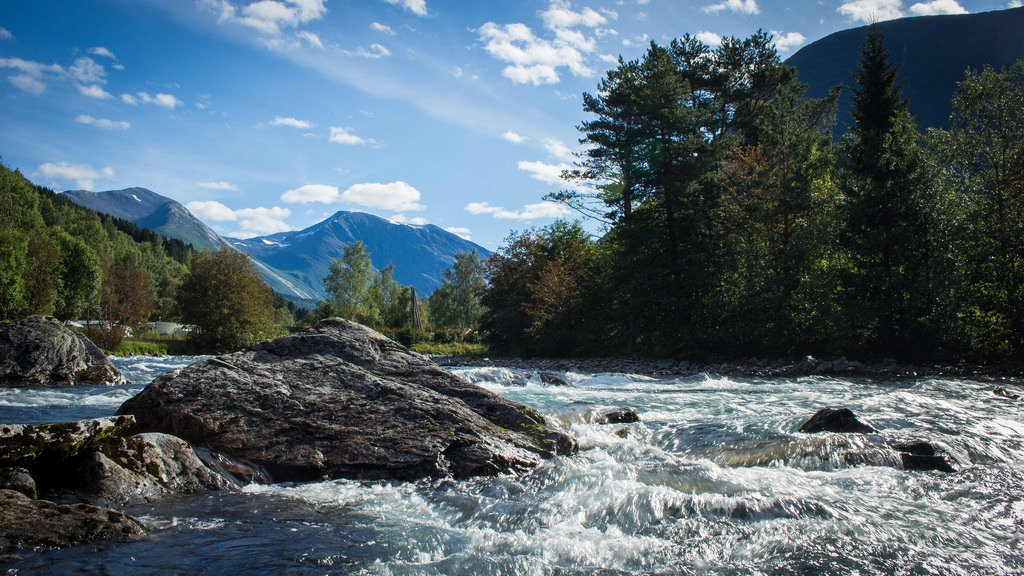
x,y
294,264
931,51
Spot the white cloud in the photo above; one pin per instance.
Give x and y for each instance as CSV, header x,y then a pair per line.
x,y
84,175
5,34
787,41
741,6
32,76
535,60
550,173
322,193
217,185
417,7
558,149
28,83
261,221
872,10
464,233
373,52
163,100
403,219
212,211
935,7
382,28
95,91
291,122
397,196
1014,4
341,135
102,122
103,52
513,137
271,15
536,211
87,71
709,38
311,39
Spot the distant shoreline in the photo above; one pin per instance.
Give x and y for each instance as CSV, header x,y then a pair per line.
x,y
791,367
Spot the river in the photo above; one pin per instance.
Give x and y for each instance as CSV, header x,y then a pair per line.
x,y
713,480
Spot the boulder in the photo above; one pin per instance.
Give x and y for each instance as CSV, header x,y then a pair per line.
x,y
552,379
341,400
922,456
46,445
28,523
841,420
618,416
19,480
40,351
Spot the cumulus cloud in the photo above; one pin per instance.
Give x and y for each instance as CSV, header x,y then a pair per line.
x,y
872,10
102,52
168,101
396,196
217,185
85,70
417,7
403,219
291,122
787,41
212,211
310,193
935,7
261,221
382,28
558,149
31,76
464,233
373,52
102,122
27,83
84,175
535,60
1014,4
5,34
95,91
549,173
342,135
271,15
709,38
513,137
311,39
740,6
540,210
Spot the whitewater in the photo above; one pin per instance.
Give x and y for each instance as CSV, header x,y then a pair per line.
x,y
714,479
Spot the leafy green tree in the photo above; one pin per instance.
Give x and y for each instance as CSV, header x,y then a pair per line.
x,y
13,253
456,303
348,283
126,301
226,301
79,277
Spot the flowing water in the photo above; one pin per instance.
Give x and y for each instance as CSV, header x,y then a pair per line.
x,y
713,480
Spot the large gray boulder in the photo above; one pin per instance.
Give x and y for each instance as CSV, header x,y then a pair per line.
x,y
28,523
40,351
341,400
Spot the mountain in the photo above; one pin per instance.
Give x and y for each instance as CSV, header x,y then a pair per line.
x,y
302,258
150,210
932,52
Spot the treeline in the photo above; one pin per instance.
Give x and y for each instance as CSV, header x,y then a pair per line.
x,y
736,227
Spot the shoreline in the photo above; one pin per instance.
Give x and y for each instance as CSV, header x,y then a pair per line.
x,y
792,368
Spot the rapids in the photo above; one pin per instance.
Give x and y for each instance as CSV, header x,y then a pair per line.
x,y
713,480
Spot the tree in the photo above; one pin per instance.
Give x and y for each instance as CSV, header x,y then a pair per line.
x,y
226,301
79,277
456,304
348,283
13,252
126,301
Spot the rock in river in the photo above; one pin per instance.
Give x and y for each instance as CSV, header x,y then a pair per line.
x,y
341,400
40,351
841,420
25,522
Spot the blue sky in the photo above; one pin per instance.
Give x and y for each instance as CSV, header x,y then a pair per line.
x,y
265,116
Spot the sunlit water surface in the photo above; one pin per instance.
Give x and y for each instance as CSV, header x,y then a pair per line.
x,y
714,480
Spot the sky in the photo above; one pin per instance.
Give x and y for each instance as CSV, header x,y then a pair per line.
x,y
264,116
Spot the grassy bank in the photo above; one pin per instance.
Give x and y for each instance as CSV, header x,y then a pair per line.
x,y
152,346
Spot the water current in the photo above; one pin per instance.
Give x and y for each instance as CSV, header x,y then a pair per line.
x,y
713,480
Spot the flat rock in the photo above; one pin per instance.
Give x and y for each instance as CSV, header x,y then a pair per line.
x,y
840,420
341,400
28,523
40,351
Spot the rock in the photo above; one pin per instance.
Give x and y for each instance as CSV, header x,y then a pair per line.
x,y
40,351
25,522
19,480
552,379
144,468
840,420
1005,394
340,400
920,455
46,445
619,416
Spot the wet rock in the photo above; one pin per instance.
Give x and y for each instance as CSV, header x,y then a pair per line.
x,y
552,379
1005,393
841,420
19,480
340,400
45,445
144,468
40,351
618,416
922,456
28,523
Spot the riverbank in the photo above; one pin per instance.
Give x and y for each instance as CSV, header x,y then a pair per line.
x,y
754,367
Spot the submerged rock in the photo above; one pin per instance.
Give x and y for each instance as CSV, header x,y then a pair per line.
x,y
922,456
1005,393
25,522
552,379
341,400
619,416
841,420
40,351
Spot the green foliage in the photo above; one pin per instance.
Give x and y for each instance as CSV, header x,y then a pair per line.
x,y
356,292
227,302
456,304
